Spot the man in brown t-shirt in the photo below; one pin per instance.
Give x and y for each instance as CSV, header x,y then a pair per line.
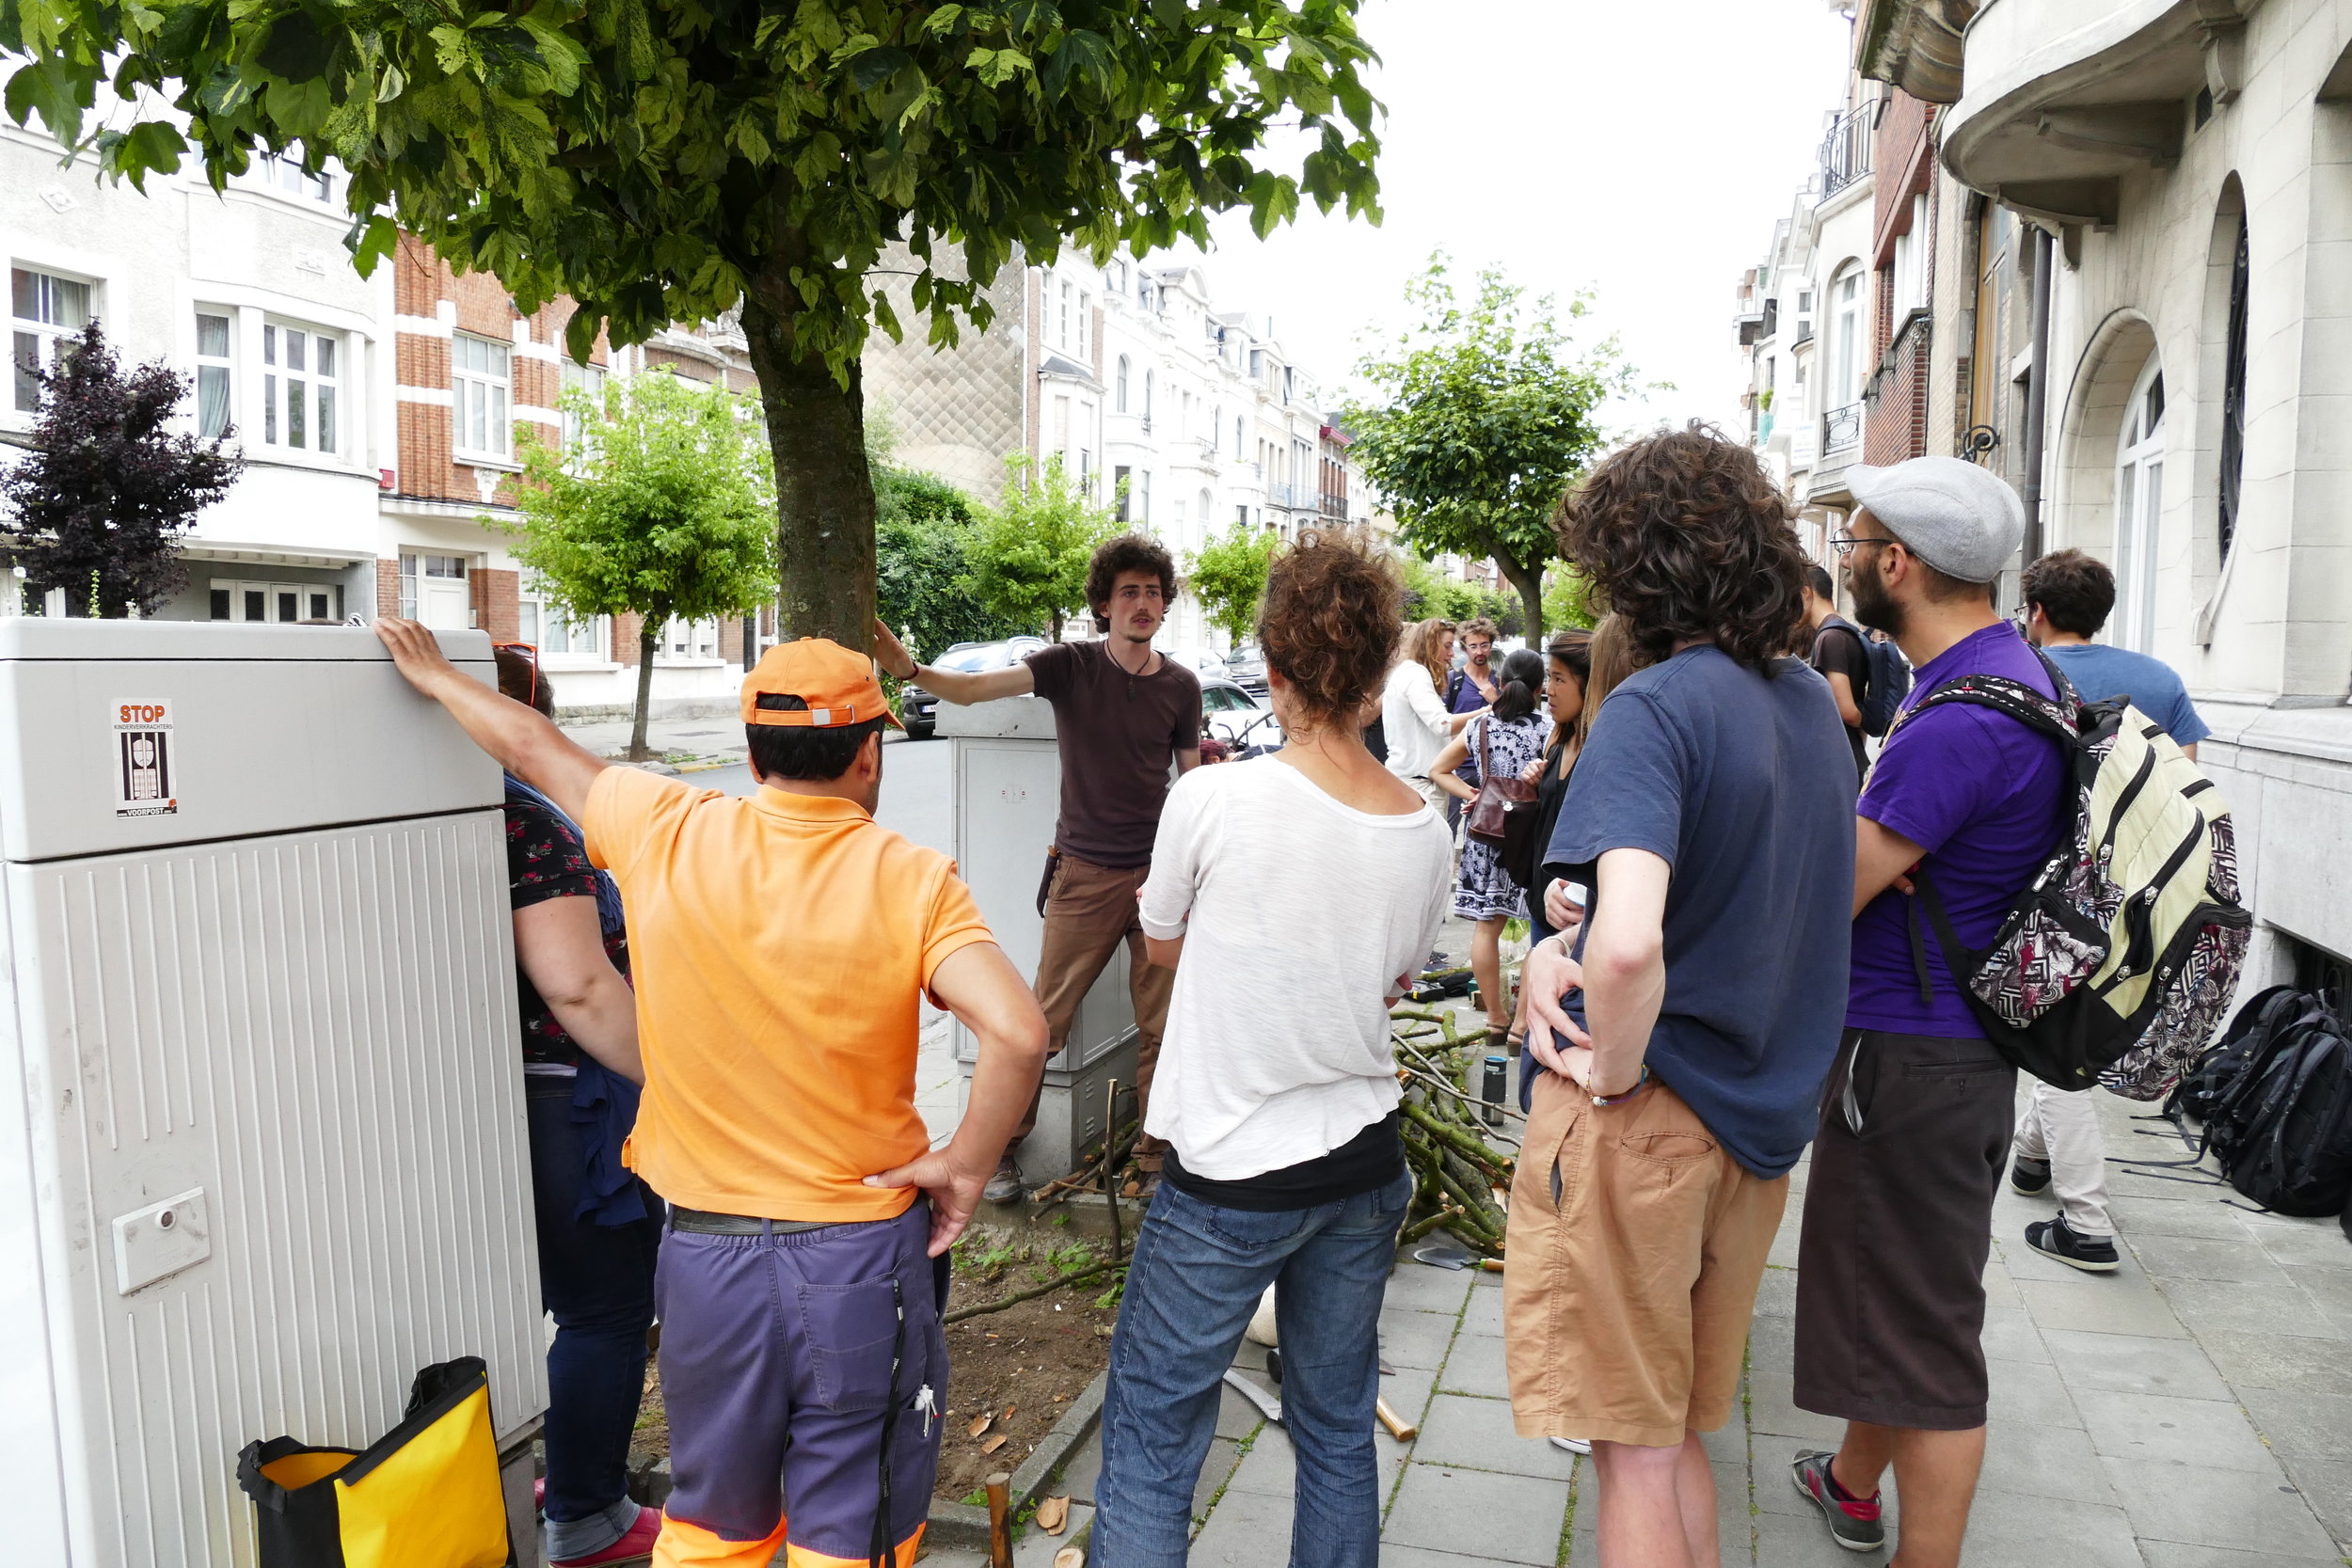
x,y
1123,713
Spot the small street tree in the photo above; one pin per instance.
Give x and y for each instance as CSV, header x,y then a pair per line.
x,y
1030,559
923,539
670,161
1484,417
661,509
1229,576
106,490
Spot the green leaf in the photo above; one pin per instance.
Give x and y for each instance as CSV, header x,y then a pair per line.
x,y
296,48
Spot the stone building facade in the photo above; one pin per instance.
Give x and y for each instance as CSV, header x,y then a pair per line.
x,y
2175,177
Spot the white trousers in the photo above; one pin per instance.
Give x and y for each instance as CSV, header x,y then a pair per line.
x,y
2061,1126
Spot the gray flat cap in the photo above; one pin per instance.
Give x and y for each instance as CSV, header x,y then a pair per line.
x,y
1961,520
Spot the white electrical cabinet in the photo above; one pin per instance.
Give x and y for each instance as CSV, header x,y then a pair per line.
x,y
263,1155
1007,766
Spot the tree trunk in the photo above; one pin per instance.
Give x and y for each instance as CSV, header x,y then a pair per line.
x,y
1531,587
824,491
648,639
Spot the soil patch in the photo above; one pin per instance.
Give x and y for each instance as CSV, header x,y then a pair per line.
x,y
1032,1358
1020,1367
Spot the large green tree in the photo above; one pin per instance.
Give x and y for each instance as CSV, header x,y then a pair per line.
x,y
1228,577
1029,559
662,507
1486,415
667,160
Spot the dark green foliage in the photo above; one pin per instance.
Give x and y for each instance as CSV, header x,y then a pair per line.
x,y
99,503
923,541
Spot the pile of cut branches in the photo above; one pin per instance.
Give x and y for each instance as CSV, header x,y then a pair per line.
x,y
1461,1163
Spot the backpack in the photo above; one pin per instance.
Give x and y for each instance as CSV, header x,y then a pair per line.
x,y
1885,678
2205,1089
2291,1122
2115,962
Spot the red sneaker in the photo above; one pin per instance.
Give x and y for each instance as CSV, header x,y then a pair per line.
x,y
635,1546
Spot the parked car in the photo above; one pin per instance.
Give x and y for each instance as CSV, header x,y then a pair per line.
x,y
919,710
1245,665
1234,716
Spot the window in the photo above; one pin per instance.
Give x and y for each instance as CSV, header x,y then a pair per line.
x,y
1062,338
1237,440
1147,399
1086,325
211,374
2139,506
2234,397
48,310
285,172
438,570
545,627
1143,495
276,603
691,639
588,379
480,377
301,370
1119,384
1122,480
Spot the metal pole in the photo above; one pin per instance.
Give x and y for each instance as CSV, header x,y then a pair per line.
x,y
2037,388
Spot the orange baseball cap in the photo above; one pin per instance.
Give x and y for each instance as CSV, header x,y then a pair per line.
x,y
836,683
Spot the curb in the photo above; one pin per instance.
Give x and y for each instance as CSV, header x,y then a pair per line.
x,y
966,1525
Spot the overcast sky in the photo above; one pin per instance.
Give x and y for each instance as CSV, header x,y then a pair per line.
x,y
1640,150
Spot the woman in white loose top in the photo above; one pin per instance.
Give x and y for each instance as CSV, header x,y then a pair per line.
x,y
1292,894
1413,715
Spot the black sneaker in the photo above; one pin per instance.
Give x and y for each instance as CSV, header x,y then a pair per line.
x,y
2029,1177
1853,1523
2090,1254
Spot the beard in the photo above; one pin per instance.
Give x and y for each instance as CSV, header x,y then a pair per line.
x,y
1872,606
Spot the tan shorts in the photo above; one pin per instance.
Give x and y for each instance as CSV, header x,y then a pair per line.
x,y
1636,1245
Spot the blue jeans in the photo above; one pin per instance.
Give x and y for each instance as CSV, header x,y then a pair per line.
x,y
598,1283
1197,1276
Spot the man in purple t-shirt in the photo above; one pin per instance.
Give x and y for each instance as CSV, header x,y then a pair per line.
x,y
1916,1117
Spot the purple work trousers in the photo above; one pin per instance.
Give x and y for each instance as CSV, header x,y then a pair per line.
x,y
776,1371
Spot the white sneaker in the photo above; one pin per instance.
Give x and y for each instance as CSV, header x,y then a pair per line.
x,y
1570,1445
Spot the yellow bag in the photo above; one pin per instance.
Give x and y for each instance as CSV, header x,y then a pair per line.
x,y
425,1495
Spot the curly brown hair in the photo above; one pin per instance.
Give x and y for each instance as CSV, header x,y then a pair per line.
x,y
1685,536
1129,552
1329,622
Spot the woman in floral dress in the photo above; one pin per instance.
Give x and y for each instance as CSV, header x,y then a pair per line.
x,y
1506,739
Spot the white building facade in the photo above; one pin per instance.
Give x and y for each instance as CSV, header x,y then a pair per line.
x,y
1189,418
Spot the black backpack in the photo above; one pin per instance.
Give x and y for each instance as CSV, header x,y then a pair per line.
x,y
2276,1104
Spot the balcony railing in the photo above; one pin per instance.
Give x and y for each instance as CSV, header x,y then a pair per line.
x,y
1841,428
1335,507
1845,151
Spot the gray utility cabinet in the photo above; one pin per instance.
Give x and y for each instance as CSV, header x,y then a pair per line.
x,y
261,1156
1005,767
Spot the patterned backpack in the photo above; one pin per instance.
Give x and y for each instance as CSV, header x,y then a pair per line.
x,y
2114,965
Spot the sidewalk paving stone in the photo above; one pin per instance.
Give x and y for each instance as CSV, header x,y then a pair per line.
x,y
2130,1363
2161,1426
2283,1361
1415,1338
2303,1426
2086,1303
2201,1506
2214,1309
1513,1518
2010,1527
1475,1433
2203,1258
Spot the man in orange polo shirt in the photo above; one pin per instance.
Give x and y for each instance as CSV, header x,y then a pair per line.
x,y
780,946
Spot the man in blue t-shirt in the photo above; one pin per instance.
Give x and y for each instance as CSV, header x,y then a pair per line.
x,y
2068,596
1687,1033
1916,1121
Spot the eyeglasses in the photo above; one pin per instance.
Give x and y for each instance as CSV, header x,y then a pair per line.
x,y
530,653
1845,544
